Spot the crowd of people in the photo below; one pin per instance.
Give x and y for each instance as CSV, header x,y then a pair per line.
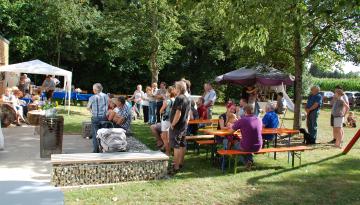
x,y
340,107
23,97
168,110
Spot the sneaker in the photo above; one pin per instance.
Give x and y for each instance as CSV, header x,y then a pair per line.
x,y
248,165
332,141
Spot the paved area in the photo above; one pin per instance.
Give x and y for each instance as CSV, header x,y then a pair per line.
x,y
24,176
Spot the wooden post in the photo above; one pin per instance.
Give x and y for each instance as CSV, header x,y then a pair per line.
x,y
352,142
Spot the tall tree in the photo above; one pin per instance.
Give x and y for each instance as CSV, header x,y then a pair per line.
x,y
296,28
147,30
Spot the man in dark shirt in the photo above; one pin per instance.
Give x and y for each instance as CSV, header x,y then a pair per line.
x,y
312,109
179,118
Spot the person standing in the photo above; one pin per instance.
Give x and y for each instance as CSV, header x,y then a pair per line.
x,y
312,109
98,106
138,99
48,87
179,118
346,101
339,108
160,96
210,98
145,105
165,122
152,104
27,83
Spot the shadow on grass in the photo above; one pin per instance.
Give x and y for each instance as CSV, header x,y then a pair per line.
x,y
329,183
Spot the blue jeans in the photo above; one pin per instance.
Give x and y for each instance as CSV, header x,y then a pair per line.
x,y
243,158
312,125
95,122
138,108
152,112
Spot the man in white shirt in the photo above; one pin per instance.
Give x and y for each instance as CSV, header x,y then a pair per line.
x,y
209,98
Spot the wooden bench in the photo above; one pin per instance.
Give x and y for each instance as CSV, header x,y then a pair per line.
x,y
295,152
207,143
107,168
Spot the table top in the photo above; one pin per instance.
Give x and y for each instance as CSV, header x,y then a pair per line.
x,y
225,132
192,122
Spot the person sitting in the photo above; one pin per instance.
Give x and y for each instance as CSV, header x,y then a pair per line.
x,y
351,119
281,104
250,127
123,114
49,87
11,99
240,111
231,139
202,109
223,118
111,113
270,120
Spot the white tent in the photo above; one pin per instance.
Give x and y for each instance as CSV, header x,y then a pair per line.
x,y
39,67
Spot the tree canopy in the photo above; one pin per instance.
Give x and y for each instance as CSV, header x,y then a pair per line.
x,y
128,42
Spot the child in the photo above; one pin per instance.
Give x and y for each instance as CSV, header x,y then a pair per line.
x,y
351,120
231,119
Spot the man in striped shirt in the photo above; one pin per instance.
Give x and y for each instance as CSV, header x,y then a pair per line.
x,y
98,106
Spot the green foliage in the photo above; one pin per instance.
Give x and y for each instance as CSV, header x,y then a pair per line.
x,y
351,84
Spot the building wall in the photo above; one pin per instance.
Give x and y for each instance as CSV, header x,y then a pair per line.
x,y
4,52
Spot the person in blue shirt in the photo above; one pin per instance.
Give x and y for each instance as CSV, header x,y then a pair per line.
x,y
270,120
312,109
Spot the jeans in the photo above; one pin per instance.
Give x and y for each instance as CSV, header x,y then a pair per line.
x,y
243,158
152,112
95,122
312,125
138,109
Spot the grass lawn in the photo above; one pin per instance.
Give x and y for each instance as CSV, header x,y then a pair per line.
x,y
73,122
325,177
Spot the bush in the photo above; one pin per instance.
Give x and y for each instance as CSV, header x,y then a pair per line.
x,y
351,84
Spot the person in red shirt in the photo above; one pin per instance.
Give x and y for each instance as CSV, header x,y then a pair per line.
x,y
202,109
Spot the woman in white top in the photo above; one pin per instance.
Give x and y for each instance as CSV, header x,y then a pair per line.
x,y
145,103
137,98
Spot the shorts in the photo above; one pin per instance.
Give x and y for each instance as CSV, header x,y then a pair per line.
x,y
177,138
165,125
338,121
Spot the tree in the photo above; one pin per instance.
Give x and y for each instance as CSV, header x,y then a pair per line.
x,y
147,30
296,28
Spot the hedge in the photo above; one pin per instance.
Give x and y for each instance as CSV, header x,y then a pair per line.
x,y
348,84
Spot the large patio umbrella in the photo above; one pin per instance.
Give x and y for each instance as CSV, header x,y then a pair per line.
x,y
261,74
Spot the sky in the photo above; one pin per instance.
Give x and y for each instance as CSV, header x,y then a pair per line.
x,y
349,66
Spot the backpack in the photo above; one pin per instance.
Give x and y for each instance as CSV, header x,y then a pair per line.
x,y
112,140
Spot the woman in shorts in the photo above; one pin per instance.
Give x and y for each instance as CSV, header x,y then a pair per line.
x,y
165,120
338,110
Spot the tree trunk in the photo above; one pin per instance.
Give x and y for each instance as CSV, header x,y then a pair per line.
x,y
154,67
298,60
58,49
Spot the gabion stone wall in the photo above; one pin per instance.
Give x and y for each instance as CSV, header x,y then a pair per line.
x,y
106,173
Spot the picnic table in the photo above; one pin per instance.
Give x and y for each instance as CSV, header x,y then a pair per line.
x,y
265,131
210,121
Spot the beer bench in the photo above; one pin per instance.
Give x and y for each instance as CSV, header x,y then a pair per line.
x,y
295,152
107,168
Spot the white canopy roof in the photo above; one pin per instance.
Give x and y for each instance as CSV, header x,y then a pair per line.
x,y
39,67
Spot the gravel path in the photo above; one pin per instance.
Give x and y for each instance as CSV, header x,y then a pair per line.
x,y
134,145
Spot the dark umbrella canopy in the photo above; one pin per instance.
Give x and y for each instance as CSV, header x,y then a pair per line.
x,y
260,74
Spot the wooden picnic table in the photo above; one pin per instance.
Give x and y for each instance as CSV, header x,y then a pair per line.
x,y
265,131
212,121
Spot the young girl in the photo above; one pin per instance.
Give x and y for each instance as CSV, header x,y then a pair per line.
x,y
351,120
231,119
338,110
